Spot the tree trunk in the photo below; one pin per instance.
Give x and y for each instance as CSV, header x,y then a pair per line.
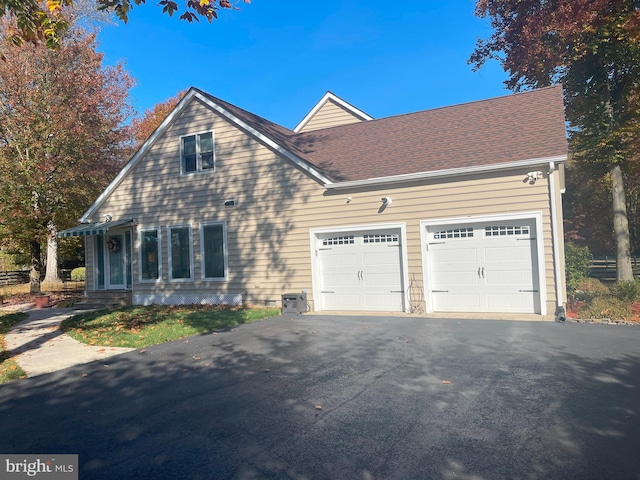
x,y
51,276
36,267
624,272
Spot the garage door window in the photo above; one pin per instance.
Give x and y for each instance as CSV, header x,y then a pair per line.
x,y
344,240
505,230
380,238
454,233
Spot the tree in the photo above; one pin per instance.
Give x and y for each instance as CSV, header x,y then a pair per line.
x,y
62,133
142,128
36,20
592,47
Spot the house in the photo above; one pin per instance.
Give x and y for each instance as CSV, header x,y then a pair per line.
x,y
455,209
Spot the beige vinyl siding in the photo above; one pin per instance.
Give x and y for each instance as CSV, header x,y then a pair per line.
x,y
330,115
499,194
268,231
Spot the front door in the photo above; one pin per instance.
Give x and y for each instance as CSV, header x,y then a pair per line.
x,y
116,261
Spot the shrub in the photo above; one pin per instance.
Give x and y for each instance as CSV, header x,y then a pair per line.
x,y
577,262
13,261
590,288
593,286
606,307
78,274
626,291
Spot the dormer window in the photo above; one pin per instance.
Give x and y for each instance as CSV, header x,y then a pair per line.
x,y
198,153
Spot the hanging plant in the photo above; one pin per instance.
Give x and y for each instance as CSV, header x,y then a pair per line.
x,y
113,245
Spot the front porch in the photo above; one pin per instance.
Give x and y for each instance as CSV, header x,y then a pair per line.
x,y
105,299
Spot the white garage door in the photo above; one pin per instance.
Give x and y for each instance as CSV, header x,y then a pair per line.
x,y
485,267
360,271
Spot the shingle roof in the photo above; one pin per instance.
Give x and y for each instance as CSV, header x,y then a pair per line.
x,y
521,126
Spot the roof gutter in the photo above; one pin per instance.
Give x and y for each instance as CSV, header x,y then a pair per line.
x,y
449,172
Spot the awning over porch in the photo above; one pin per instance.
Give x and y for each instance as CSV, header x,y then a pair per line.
x,y
89,229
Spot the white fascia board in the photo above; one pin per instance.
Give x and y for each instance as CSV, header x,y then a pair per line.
x,y
330,96
139,154
268,141
450,172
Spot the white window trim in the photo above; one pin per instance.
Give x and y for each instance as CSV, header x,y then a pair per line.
x,y
225,251
199,169
140,232
169,264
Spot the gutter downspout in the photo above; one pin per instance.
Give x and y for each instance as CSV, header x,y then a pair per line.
x,y
560,313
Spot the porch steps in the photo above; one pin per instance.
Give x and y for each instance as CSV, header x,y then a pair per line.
x,y
105,299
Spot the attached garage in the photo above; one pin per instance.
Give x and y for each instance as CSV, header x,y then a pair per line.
x,y
489,265
359,269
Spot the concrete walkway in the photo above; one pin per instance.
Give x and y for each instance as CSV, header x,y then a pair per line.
x,y
39,346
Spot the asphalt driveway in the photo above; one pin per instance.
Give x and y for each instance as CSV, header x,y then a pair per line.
x,y
400,398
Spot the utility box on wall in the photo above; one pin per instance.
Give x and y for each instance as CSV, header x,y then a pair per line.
x,y
294,303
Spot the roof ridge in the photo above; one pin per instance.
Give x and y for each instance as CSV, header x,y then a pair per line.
x,y
434,109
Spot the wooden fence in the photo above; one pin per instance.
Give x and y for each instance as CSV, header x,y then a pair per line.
x,y
604,268
14,277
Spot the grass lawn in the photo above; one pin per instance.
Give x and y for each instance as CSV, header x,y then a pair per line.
x,y
9,369
137,327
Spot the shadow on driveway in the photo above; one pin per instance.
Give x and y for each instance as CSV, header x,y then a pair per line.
x,y
399,397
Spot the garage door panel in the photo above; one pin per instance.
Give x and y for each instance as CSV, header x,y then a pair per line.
x,y
336,301
332,281
447,279
503,253
364,274
381,280
514,302
386,302
385,257
452,254
492,269
509,278
461,302
335,258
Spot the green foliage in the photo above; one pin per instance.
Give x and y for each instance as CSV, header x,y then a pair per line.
x,y
9,262
592,48
9,369
606,307
590,288
137,327
78,274
626,291
577,262
9,319
62,136
49,21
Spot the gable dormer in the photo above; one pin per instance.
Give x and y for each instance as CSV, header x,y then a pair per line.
x,y
331,111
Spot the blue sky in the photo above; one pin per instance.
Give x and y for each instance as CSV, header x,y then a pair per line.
x,y
278,58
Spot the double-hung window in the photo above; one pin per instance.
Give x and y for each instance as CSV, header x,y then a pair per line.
x,y
198,153
180,253
213,241
149,255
